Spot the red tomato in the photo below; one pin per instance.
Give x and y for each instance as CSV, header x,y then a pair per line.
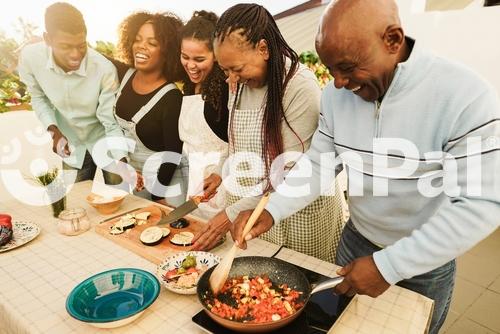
x,y
191,270
257,302
169,274
6,220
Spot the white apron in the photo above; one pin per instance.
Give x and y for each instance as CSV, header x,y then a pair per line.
x,y
141,153
203,153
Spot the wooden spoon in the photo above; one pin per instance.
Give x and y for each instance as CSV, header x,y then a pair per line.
x,y
221,272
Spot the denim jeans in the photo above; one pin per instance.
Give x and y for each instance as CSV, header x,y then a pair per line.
x,y
436,284
87,172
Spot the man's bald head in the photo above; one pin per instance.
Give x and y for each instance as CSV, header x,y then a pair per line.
x,y
357,19
361,32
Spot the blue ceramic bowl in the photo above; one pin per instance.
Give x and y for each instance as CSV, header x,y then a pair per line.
x,y
113,298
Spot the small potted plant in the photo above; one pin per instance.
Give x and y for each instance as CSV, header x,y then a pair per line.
x,y
56,189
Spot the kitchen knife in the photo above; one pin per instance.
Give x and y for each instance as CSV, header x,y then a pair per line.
x,y
121,214
181,210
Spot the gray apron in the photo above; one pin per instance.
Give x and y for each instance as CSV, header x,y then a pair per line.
x,y
314,230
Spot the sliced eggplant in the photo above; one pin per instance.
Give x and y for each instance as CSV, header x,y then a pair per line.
x,y
142,218
151,236
182,239
142,215
165,231
139,222
116,230
180,223
125,222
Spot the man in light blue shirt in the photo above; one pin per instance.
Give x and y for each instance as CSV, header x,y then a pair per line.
x,y
72,91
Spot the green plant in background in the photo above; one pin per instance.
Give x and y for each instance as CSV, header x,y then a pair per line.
x,y
8,61
107,49
12,90
311,60
8,46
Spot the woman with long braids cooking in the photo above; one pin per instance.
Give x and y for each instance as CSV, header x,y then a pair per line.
x,y
275,110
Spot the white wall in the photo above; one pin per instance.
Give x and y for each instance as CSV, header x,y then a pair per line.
x,y
470,36
24,146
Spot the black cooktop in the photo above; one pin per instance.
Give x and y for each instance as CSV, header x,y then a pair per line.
x,y
318,316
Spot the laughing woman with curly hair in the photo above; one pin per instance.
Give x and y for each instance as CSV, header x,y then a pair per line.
x,y
148,102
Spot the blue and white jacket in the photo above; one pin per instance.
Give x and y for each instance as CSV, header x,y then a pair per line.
x,y
436,155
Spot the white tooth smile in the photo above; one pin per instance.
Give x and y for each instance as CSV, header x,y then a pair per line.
x,y
355,89
141,56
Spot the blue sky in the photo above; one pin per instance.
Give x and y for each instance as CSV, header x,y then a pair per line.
x,y
103,16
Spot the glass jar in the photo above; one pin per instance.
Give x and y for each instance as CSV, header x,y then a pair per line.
x,y
73,221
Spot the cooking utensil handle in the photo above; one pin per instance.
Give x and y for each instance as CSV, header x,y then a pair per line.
x,y
330,283
221,271
119,215
197,199
256,213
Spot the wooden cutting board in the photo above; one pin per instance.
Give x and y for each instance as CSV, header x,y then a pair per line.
x,y
130,238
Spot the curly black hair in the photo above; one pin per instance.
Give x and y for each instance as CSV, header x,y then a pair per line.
x,y
166,26
201,27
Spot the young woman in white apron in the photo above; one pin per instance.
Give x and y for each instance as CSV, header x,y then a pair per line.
x,y
148,103
204,116
275,110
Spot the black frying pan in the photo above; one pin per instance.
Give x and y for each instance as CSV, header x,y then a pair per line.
x,y
278,271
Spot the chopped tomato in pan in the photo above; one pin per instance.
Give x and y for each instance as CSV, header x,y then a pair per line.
x,y
256,300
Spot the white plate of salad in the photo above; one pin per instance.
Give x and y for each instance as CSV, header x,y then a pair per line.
x,y
180,273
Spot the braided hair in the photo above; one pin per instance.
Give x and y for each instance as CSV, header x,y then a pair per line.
x,y
166,26
201,27
254,23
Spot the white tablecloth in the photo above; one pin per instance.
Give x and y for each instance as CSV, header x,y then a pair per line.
x,y
36,278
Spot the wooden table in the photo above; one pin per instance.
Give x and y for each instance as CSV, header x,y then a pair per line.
x,y
36,278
